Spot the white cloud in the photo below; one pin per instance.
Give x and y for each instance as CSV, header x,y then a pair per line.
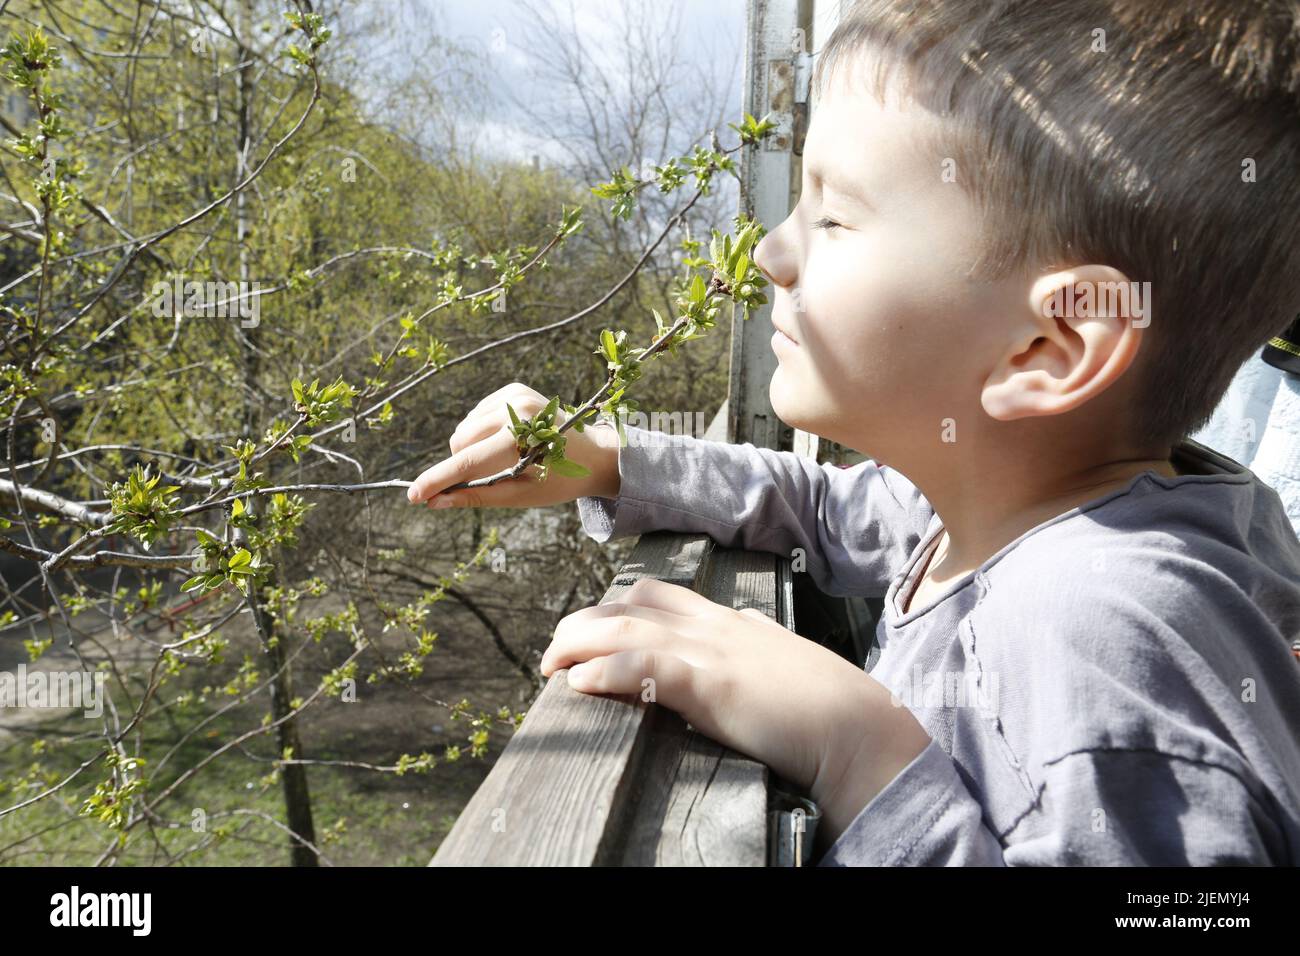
x,y
501,139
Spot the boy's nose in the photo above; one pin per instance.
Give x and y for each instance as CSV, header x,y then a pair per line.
x,y
773,260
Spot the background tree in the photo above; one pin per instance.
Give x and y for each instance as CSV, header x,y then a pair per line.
x,y
206,508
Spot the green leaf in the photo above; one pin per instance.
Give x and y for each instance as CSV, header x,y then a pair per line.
x,y
698,288
746,238
569,468
660,327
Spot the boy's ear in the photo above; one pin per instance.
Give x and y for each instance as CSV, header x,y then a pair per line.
x,y
1078,332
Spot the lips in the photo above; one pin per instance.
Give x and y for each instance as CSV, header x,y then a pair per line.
x,y
785,333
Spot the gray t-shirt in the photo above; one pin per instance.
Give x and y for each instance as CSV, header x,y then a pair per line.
x,y
1115,686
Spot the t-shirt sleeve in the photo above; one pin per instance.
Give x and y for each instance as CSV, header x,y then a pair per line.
x,y
924,816
852,527
1096,808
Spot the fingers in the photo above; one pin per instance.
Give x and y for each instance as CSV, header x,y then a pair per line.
x,y
502,395
609,628
490,414
487,457
473,430
654,675
652,593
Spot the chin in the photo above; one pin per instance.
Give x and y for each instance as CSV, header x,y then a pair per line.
x,y
780,394
815,414
785,402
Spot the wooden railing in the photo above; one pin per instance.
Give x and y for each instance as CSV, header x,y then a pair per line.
x,y
588,781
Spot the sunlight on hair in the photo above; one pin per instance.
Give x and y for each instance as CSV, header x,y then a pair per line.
x,y
1027,101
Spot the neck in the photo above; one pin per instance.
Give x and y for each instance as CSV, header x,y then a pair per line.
x,y
1016,487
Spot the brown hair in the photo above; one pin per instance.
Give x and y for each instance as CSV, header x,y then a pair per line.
x,y
1128,148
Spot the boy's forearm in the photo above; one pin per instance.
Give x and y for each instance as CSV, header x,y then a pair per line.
x,y
850,528
870,745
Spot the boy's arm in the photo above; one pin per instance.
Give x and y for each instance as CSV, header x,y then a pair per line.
x,y
1096,808
856,526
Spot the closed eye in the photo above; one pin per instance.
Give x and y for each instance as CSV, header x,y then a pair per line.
x,y
824,223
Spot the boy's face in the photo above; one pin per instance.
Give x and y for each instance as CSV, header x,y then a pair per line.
x,y
892,338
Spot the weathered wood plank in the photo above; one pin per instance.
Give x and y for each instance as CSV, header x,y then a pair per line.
x,y
699,803
696,804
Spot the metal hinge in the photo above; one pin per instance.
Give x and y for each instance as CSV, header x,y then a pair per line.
x,y
791,828
788,83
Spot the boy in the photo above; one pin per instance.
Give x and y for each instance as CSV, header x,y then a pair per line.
x,y
1086,646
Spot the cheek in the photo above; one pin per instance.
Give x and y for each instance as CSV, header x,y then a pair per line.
x,y
888,346
865,324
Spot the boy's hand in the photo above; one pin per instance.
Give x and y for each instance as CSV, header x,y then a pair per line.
x,y
749,683
483,445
